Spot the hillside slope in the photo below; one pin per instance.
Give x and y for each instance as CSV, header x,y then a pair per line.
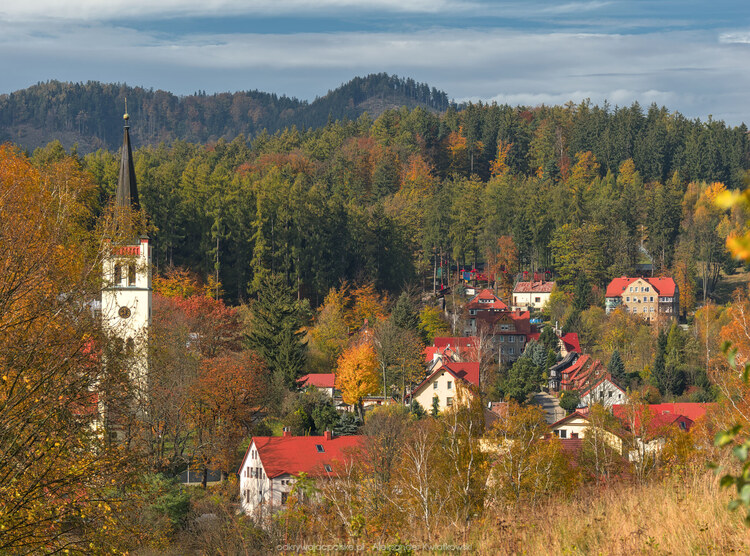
x,y
83,112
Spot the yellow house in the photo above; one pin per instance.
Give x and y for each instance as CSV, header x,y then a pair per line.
x,y
450,383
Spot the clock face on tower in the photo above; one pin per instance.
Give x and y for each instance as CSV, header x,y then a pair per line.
x,y
124,312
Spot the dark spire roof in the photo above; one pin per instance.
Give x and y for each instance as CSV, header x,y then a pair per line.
x,y
127,191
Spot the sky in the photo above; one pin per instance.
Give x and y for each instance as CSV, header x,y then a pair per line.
x,y
690,56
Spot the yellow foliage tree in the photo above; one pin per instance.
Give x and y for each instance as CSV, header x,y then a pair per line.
x,y
356,374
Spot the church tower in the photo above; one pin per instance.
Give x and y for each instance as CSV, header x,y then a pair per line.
x,y
126,296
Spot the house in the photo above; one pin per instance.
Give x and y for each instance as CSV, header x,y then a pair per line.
x,y
556,370
692,411
646,297
651,432
272,464
590,379
577,425
450,383
509,331
454,348
324,382
482,306
604,391
531,296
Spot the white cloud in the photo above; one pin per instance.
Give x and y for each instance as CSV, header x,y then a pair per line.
x,y
99,10
736,37
687,71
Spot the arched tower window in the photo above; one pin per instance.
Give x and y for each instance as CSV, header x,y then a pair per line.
x,y
131,275
118,274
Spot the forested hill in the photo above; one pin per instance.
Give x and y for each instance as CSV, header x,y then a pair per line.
x,y
83,113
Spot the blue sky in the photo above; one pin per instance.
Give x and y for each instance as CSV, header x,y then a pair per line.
x,y
690,56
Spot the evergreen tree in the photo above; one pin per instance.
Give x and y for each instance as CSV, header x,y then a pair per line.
x,y
404,315
549,339
569,400
616,367
275,330
582,294
659,361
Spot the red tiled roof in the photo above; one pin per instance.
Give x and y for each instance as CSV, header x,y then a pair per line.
x,y
605,376
571,445
455,342
293,455
534,287
429,353
468,371
319,380
571,342
692,411
658,422
664,285
485,295
618,285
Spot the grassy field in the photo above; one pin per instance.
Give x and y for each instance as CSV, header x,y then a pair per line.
x,y
678,516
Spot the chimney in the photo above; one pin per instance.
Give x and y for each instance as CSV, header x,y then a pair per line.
x,y
286,432
328,435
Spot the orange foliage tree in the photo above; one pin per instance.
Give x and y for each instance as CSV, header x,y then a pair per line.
x,y
56,469
357,375
228,395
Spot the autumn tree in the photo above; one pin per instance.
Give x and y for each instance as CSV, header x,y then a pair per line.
x,y
56,468
505,265
526,465
357,374
228,395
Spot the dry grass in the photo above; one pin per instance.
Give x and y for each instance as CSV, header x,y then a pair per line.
x,y
677,517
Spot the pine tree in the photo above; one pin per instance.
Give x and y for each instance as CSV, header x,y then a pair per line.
x,y
616,367
275,330
404,314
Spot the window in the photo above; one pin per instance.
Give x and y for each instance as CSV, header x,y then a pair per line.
x,y
247,496
320,448
284,496
449,401
327,468
627,299
573,435
118,274
511,351
635,309
537,300
450,385
511,339
647,289
563,433
504,327
652,299
434,385
502,338
473,312
131,275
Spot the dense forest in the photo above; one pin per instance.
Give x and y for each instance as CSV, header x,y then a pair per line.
x,y
315,250
578,188
82,112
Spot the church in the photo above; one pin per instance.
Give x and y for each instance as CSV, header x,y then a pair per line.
x,y
126,292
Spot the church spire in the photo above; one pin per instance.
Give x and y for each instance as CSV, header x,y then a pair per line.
x,y
127,191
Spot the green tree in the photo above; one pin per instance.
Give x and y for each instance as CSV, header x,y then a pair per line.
x,y
616,368
276,320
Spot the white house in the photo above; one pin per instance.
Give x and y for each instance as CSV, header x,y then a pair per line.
x,y
531,296
605,392
272,465
450,383
324,382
